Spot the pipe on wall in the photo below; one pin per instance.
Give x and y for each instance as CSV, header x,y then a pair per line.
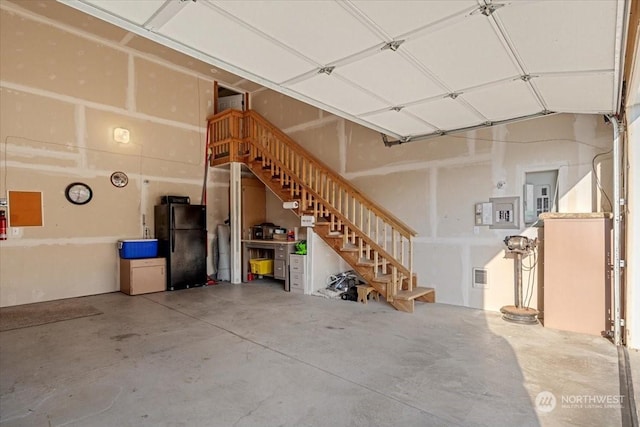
x,y
617,218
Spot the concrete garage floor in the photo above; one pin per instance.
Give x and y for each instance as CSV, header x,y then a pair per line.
x,y
253,355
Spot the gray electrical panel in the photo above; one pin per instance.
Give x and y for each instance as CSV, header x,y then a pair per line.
x,y
505,212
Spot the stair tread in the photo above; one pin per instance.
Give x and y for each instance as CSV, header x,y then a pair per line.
x,y
350,248
416,293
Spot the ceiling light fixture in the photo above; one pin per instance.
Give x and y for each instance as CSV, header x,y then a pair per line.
x,y
453,95
397,109
121,135
393,45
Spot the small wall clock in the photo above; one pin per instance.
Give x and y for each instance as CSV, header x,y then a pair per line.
x,y
78,193
119,179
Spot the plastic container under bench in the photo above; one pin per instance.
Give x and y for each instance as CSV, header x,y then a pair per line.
x,y
138,248
261,266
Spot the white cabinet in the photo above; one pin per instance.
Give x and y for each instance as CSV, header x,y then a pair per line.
x,y
298,273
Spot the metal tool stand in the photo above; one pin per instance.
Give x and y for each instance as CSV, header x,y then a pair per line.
x,y
518,313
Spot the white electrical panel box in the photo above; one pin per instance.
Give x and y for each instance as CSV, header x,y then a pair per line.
x,y
484,214
506,212
540,194
537,201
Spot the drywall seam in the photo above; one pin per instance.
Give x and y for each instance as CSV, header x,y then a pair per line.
x,y
131,84
417,166
465,260
498,150
96,106
342,147
79,117
62,241
261,89
92,173
433,201
312,124
462,240
126,39
105,42
471,142
32,152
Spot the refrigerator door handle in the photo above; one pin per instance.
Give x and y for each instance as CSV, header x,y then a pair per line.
x,y
173,240
173,217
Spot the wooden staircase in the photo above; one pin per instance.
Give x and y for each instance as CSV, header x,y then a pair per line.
x,y
372,241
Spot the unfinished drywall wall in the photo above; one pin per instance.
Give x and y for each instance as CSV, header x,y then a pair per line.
x,y
62,92
432,185
277,215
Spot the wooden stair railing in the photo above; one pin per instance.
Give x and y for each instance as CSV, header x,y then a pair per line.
x,y
366,235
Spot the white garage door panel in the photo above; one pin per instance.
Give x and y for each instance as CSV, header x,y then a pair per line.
x,y
567,93
208,31
138,12
333,91
376,72
446,114
501,102
331,34
465,54
400,123
562,35
400,17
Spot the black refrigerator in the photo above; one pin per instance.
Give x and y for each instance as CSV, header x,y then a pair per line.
x,y
182,240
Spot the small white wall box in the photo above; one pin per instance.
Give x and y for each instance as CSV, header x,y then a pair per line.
x,y
290,205
506,212
307,221
484,213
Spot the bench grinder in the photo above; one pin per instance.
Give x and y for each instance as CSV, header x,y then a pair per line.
x,y
519,247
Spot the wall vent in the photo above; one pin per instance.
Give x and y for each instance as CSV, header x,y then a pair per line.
x,y
480,278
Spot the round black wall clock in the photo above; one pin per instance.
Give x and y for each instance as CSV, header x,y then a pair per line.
x,y
119,179
78,193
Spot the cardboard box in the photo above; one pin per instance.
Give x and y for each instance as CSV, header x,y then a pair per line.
x,y
142,276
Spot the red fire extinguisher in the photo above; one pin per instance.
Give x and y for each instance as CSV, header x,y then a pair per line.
x,y
3,226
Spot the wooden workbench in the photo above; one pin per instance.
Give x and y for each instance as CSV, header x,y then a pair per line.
x,y
280,250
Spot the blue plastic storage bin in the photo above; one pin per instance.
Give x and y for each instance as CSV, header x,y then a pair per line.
x,y
141,248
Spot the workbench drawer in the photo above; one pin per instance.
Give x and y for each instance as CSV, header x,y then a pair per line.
x,y
279,269
280,252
